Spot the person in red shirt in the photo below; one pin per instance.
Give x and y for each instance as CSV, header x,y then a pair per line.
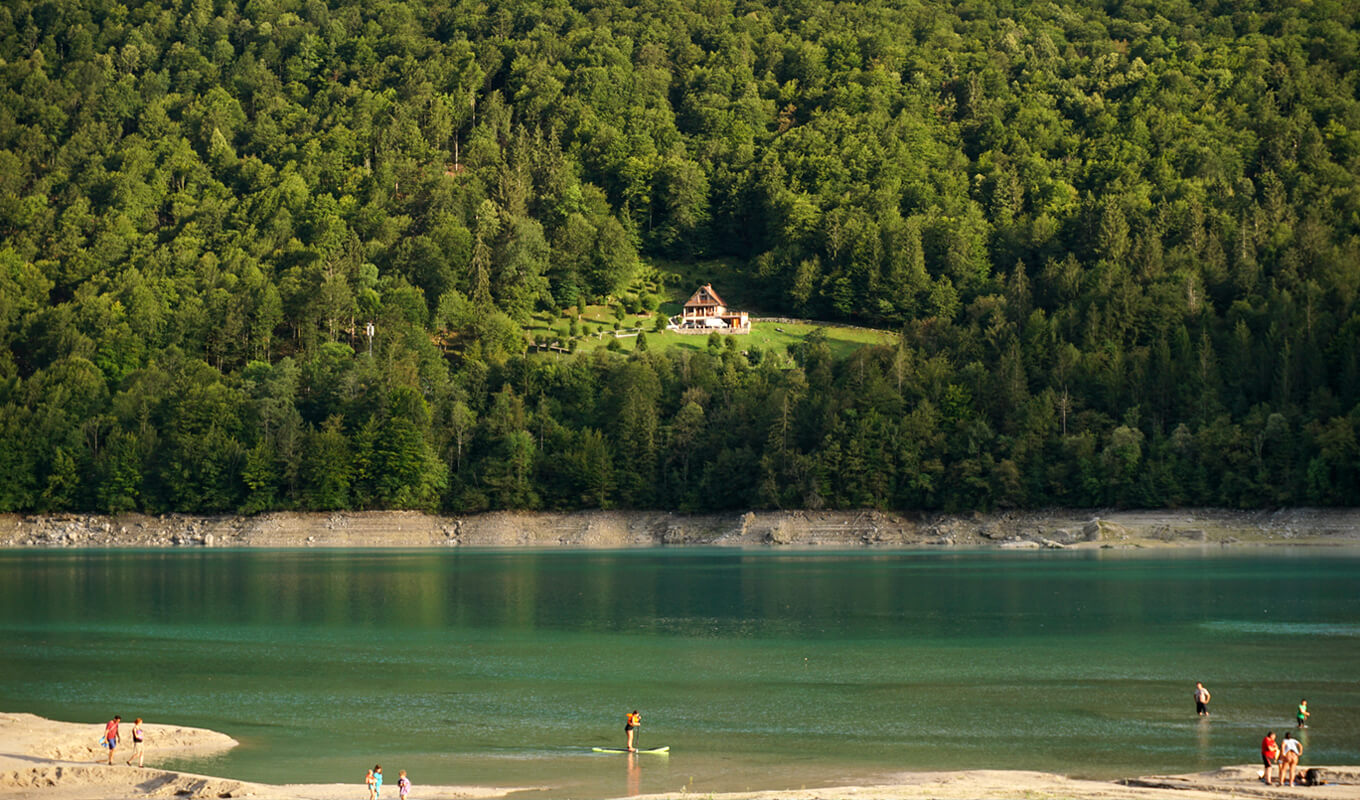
x,y
110,739
1270,753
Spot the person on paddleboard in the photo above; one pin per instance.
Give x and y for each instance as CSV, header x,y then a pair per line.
x,y
631,723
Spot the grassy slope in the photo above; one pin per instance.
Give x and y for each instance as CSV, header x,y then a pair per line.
x,y
676,282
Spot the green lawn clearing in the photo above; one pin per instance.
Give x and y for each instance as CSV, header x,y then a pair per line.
x,y
672,284
774,338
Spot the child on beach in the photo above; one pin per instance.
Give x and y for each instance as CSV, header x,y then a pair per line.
x,y
1303,714
368,781
377,781
403,785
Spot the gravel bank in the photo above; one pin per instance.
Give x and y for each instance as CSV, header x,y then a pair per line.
x,y
606,529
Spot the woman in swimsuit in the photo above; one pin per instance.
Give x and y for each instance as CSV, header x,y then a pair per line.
x,y
137,736
631,723
1290,750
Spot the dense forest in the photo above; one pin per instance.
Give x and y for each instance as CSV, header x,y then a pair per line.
x,y
1120,243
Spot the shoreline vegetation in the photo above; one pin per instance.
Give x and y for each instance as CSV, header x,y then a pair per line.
x,y
42,758
1019,530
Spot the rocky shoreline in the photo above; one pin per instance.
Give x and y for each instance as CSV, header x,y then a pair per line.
x,y
1060,529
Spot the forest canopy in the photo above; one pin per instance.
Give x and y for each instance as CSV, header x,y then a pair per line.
x,y
1120,244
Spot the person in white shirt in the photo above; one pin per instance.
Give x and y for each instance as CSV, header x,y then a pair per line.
x,y
1290,750
1201,700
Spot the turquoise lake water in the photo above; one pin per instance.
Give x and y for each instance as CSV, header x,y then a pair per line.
x,y
760,669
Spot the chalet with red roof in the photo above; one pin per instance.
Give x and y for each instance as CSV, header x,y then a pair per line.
x,y
705,312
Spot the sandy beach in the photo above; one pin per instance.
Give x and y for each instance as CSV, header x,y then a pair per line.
x,y
42,759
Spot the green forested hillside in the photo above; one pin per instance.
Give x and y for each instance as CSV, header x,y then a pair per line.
x,y
1120,241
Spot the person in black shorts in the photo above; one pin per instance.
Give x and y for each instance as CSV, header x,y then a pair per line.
x,y
1270,754
631,723
1201,699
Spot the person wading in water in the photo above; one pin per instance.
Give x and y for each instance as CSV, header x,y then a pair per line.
x,y
1201,700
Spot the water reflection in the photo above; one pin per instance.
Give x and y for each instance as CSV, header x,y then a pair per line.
x,y
1203,741
751,663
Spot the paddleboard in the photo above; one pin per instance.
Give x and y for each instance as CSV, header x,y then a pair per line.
x,y
666,749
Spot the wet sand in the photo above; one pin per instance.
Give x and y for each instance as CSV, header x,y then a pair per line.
x,y
42,759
